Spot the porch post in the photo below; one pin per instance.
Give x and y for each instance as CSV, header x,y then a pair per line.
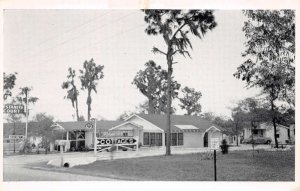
x,y
67,135
76,142
137,143
95,136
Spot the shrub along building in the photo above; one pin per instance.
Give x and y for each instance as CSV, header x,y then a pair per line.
x,y
150,131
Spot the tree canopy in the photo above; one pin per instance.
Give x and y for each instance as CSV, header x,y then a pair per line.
x,y
24,96
89,77
152,83
191,101
270,53
9,82
72,92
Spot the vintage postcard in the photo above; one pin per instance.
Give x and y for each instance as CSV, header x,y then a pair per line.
x,y
104,94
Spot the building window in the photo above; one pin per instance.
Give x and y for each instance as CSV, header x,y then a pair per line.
x,y
125,134
174,139
146,138
158,139
153,139
277,136
180,139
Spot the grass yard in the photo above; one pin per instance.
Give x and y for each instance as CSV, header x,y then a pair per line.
x,y
235,166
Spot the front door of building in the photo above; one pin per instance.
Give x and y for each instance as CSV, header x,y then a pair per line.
x,y
205,139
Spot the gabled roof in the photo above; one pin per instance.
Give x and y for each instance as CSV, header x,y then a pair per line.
x,y
81,125
125,123
160,121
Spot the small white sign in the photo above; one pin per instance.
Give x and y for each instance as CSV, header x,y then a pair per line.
x,y
89,126
14,109
16,136
215,143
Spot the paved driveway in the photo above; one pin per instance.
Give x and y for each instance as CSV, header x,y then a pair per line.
x,y
16,168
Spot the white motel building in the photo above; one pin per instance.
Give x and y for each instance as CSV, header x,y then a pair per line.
x,y
148,129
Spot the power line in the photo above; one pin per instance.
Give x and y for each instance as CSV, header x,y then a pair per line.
x,y
75,27
76,37
54,36
98,28
98,42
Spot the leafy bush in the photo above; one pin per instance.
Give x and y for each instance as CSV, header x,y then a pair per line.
x,y
224,147
27,147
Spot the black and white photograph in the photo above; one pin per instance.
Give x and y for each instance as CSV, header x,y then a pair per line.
x,y
149,94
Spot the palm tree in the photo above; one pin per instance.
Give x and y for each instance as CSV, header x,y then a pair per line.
x,y
23,96
90,74
72,92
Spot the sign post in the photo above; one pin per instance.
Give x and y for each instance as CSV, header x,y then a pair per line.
x,y
95,137
215,164
26,116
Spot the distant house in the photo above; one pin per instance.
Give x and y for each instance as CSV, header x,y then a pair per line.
x,y
283,133
292,133
232,138
187,131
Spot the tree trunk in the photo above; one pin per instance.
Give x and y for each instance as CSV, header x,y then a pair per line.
x,y
252,140
237,136
76,105
160,106
88,102
274,122
169,103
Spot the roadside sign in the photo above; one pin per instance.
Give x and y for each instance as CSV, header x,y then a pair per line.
x,y
16,136
123,141
89,126
116,141
215,143
14,109
105,141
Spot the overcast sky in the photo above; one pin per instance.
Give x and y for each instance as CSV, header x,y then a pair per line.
x,y
40,45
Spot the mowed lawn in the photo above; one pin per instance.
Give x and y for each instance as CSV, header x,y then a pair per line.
x,y
235,166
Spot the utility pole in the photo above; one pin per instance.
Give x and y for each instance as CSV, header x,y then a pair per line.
x,y
14,138
26,114
215,165
95,136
